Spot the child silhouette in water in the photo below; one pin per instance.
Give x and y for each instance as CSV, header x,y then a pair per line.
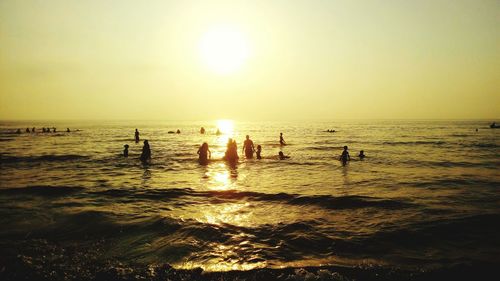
x,y
259,150
282,156
361,155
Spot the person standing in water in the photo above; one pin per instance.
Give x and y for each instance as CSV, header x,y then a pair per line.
x,y
204,153
202,130
248,147
146,152
259,150
282,140
345,156
136,135
125,150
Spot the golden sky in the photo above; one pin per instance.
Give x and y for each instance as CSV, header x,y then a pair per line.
x,y
249,60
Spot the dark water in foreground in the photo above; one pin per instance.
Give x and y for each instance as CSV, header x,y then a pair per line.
x,y
426,198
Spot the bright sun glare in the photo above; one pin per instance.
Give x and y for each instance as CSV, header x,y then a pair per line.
x,y
225,126
223,49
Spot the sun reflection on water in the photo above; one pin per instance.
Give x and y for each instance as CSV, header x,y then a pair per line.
x,y
226,127
221,176
232,213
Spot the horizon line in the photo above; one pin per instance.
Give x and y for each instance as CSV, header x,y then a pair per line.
x,y
252,120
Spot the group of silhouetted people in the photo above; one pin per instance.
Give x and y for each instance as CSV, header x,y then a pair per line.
x,y
231,154
344,157
44,130
203,131
146,150
145,154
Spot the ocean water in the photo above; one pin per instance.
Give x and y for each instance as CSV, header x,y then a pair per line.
x,y
426,196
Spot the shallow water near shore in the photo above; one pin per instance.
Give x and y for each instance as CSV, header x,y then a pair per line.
x,y
425,197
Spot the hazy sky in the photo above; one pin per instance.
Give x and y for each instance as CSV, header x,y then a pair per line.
x,y
302,59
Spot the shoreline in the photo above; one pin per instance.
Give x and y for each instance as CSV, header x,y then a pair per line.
x,y
24,269
44,260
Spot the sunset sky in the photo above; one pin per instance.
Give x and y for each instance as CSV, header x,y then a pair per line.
x,y
249,60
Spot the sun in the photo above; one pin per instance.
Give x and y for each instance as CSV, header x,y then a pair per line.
x,y
223,49
225,126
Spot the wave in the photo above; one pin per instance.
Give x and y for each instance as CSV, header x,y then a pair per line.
x,y
450,164
460,231
290,241
482,145
42,158
454,182
414,142
165,239
323,148
48,191
323,201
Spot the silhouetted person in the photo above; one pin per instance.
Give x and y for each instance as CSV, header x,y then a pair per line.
x,y
232,151
344,157
54,129
248,147
282,140
146,152
477,129
136,136
361,155
178,131
68,130
202,130
204,153
494,125
27,130
125,150
43,130
18,131
33,129
218,132
259,150
282,156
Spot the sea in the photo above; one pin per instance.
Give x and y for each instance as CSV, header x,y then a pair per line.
x,y
425,199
